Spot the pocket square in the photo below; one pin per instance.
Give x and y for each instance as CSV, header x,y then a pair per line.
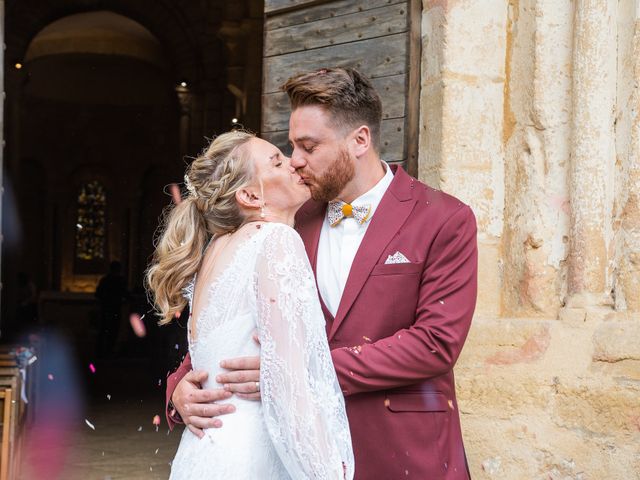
x,y
396,258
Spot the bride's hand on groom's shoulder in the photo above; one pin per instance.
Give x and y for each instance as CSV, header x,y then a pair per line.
x,y
196,406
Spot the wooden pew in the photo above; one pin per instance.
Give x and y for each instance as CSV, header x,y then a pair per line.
x,y
6,395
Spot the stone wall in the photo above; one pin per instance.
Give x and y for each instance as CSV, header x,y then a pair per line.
x,y
529,113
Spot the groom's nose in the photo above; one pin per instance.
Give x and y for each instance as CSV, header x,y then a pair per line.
x,y
297,159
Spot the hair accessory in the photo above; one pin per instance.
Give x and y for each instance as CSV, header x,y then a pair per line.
x,y
190,188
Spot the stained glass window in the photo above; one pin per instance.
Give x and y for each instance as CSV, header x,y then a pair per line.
x,y
91,222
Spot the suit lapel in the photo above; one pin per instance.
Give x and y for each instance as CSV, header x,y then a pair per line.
x,y
308,224
396,205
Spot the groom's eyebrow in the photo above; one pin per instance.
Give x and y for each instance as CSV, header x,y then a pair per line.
x,y
306,138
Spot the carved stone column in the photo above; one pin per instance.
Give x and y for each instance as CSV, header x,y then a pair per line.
x,y
592,153
628,287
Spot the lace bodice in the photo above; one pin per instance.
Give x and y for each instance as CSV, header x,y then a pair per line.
x,y
268,285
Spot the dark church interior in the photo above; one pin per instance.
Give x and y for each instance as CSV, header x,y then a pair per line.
x,y
106,101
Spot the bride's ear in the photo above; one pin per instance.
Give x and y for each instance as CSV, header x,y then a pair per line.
x,y
248,198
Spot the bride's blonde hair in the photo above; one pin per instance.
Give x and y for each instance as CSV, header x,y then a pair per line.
x,y
209,208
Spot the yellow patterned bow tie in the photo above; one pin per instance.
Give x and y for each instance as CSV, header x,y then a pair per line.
x,y
338,210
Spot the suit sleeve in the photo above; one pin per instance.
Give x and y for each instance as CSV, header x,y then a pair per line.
x,y
185,367
431,346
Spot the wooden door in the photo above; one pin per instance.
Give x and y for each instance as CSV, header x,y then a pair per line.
x,y
381,38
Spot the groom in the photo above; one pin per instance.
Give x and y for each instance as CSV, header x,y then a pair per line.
x,y
396,264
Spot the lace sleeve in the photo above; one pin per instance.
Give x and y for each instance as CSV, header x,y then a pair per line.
x,y
302,402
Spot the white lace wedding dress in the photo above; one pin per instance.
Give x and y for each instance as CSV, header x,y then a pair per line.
x,y
299,430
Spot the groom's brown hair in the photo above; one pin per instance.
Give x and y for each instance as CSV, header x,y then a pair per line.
x,y
344,93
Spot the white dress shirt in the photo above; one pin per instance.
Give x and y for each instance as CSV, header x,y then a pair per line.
x,y
338,245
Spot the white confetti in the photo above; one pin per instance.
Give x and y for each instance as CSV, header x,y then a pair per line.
x,y
140,428
89,424
108,397
157,449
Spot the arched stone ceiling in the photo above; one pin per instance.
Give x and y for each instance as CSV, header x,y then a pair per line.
x,y
100,32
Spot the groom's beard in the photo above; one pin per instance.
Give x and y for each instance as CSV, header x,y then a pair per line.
x,y
334,180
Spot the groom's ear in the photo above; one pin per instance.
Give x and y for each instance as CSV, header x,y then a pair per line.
x,y
248,198
361,140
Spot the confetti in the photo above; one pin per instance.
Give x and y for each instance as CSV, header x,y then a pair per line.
x,y
89,424
108,397
355,350
177,347
32,360
137,325
156,420
92,368
50,377
159,382
175,193
441,302
177,315
157,449
366,339
140,428
451,404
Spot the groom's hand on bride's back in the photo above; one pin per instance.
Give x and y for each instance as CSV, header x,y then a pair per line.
x,y
243,377
196,406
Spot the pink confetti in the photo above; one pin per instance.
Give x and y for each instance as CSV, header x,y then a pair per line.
x,y
175,193
137,325
50,377
92,368
156,420
177,315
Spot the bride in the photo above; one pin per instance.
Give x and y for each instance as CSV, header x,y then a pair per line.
x,y
229,249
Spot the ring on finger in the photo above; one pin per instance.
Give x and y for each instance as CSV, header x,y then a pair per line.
x,y
257,386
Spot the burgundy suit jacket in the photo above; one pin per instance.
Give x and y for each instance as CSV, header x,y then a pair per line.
x,y
399,330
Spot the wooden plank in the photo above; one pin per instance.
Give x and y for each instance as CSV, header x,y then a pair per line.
x,y
324,10
6,434
376,57
392,139
336,31
272,7
391,90
412,125
392,136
